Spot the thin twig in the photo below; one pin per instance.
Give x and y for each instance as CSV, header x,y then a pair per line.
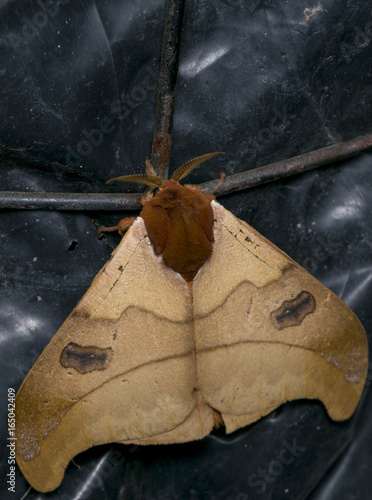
x,y
292,166
70,201
167,86
237,182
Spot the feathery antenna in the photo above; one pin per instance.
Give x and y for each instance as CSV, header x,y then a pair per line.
x,y
187,167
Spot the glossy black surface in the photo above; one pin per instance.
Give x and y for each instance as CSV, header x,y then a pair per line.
x,y
256,81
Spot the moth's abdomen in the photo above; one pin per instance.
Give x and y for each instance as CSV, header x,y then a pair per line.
x,y
179,222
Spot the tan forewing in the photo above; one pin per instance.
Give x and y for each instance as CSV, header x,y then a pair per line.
x,y
121,367
267,332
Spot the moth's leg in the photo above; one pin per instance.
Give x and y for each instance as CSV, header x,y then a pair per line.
x,y
125,224
209,195
219,183
121,228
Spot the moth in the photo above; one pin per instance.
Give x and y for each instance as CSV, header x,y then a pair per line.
x,y
196,321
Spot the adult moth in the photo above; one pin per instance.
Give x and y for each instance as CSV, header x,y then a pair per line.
x,y
196,321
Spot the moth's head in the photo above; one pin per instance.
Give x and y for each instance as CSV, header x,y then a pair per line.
x,y
179,174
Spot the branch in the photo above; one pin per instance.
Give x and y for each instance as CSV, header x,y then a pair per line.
x,y
237,182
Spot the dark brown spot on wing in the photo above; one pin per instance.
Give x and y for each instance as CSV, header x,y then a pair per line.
x,y
85,359
293,312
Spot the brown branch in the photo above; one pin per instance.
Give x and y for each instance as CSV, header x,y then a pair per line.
x,y
237,182
292,166
167,86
